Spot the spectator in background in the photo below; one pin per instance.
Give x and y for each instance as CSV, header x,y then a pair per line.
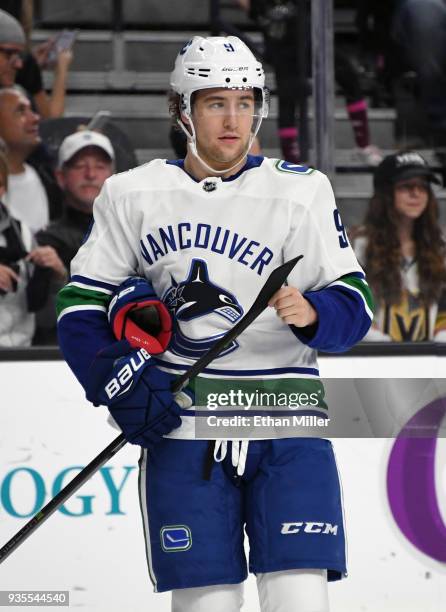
x,y
408,39
32,196
86,159
12,49
374,24
18,65
24,270
419,28
278,20
403,252
16,322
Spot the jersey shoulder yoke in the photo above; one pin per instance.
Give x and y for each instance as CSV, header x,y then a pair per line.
x,y
295,182
147,177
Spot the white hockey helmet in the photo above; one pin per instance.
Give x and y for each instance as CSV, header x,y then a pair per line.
x,y
217,61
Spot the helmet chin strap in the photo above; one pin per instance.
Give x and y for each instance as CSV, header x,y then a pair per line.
x,y
192,146
193,149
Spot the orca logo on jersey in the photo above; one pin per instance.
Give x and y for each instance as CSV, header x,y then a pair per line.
x,y
195,298
124,378
309,527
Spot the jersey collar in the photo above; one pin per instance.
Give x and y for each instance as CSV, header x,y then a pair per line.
x,y
252,161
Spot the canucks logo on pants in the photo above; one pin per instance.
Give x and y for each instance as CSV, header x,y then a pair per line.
x,y
195,298
175,538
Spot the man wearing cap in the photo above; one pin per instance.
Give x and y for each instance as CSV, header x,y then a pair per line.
x,y
86,159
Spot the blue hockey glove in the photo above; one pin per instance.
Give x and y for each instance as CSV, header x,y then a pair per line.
x,y
138,315
136,392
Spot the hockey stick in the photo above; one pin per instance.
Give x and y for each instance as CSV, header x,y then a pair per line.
x,y
273,283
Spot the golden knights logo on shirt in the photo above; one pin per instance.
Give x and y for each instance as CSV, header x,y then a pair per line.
x,y
407,321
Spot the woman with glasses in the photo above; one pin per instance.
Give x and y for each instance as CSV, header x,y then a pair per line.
x,y
402,249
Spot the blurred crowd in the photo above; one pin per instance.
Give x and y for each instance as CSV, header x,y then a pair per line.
x,y
47,196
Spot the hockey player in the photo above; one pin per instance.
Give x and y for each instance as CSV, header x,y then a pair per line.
x,y
204,233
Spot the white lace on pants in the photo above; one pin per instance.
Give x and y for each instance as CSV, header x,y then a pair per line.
x,y
239,452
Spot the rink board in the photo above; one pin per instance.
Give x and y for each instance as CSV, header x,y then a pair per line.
x,y
94,547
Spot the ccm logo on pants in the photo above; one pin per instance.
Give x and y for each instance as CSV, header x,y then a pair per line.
x,y
324,528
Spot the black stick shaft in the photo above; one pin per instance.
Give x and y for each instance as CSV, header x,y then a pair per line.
x,y
51,507
273,283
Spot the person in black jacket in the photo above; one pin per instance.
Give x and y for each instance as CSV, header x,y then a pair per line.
x,y
86,159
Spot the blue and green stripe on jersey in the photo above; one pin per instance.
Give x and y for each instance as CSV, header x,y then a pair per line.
x,y
356,282
83,294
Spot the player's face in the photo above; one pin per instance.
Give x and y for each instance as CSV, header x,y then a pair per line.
x,y
83,176
411,197
223,121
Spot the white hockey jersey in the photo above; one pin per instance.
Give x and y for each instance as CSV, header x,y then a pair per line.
x,y
208,247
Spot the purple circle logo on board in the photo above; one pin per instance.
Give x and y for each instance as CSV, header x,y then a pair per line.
x,y
411,482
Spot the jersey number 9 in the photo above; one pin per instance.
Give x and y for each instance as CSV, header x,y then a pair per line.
x,y
343,242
